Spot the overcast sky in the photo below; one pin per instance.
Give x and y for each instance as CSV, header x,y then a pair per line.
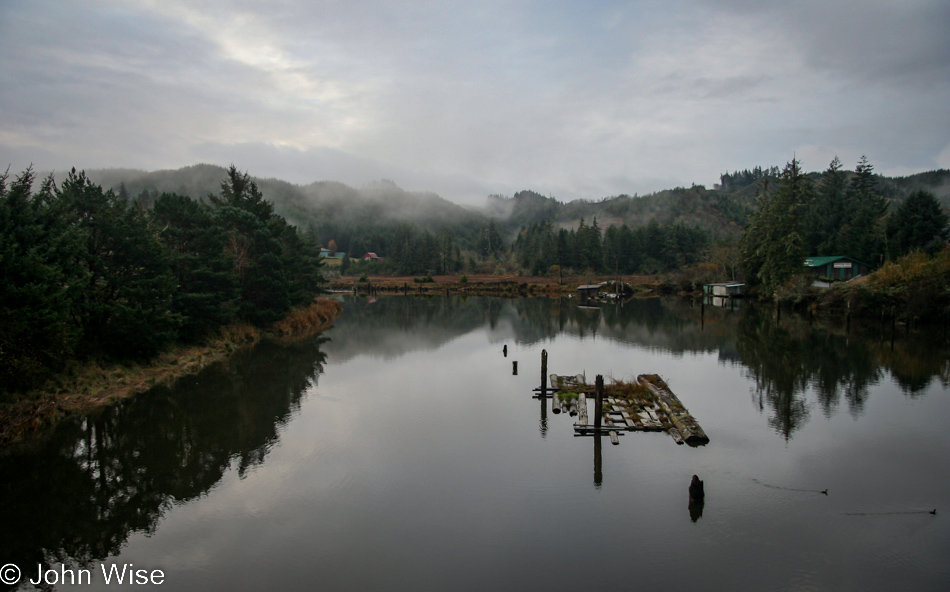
x,y
572,99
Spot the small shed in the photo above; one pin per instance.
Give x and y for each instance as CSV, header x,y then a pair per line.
x,y
588,291
731,289
370,256
837,267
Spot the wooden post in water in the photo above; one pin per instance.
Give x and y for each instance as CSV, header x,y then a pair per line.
x,y
847,323
514,368
504,350
598,401
544,373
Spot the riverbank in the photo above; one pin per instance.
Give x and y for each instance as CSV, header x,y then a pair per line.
x,y
487,285
93,384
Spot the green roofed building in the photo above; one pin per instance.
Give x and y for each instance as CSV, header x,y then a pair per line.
x,y
837,267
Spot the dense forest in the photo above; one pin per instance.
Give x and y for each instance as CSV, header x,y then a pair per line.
x,y
90,273
122,268
416,233
839,214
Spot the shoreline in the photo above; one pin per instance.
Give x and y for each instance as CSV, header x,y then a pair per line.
x,y
487,284
84,387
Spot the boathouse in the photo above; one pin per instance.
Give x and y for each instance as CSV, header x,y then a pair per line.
x,y
731,289
588,291
837,267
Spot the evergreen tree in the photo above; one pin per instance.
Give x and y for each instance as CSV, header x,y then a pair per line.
x,y
864,238
826,219
36,331
124,293
919,224
773,244
195,241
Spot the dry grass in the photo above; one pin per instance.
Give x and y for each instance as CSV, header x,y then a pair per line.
x,y
632,391
307,320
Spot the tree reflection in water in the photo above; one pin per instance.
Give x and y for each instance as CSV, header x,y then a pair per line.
x,y
117,471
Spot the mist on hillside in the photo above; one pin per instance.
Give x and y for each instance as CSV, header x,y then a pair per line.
x,y
330,205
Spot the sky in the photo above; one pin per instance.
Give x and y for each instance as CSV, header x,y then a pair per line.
x,y
570,99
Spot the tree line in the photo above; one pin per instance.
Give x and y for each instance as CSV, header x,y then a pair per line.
x,y
87,273
797,217
652,248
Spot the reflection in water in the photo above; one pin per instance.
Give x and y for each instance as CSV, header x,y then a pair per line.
x,y
124,466
115,472
697,498
786,358
598,460
543,423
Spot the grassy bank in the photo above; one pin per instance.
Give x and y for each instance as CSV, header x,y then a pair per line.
x,y
91,384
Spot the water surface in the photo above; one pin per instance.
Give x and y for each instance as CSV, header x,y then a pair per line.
x,y
398,451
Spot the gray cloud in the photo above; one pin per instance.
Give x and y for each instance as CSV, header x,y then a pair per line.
x,y
467,99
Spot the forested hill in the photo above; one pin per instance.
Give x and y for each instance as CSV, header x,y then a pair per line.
x,y
317,204
714,211
722,210
371,217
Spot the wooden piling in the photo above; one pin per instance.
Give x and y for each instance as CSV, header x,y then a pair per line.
x,y
504,350
544,372
599,400
514,368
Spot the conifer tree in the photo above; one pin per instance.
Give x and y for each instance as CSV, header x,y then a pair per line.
x,y
919,224
773,244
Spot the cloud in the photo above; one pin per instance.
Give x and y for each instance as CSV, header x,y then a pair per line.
x,y
475,98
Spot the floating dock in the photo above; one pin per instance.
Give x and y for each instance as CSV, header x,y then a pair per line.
x,y
646,405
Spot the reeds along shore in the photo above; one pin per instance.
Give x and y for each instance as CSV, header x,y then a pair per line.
x,y
92,384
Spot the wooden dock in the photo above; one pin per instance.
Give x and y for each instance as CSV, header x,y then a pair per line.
x,y
646,405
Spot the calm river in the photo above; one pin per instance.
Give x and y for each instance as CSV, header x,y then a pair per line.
x,y
398,451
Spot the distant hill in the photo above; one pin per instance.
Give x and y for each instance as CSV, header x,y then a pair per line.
x,y
335,210
722,210
324,206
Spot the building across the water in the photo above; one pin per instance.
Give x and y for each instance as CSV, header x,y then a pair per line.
x,y
837,267
588,291
724,289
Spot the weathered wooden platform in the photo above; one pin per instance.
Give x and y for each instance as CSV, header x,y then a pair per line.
x,y
650,408
645,405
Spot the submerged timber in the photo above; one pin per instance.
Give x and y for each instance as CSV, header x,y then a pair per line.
x,y
646,405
